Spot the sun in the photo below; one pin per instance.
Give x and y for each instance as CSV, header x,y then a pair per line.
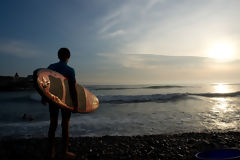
x,y
222,52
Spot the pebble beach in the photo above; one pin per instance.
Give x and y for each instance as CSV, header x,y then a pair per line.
x,y
174,146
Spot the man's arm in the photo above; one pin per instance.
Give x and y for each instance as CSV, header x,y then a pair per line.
x,y
44,101
73,93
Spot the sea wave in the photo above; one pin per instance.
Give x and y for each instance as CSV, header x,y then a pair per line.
x,y
31,97
141,98
163,87
232,94
113,88
126,88
160,97
36,98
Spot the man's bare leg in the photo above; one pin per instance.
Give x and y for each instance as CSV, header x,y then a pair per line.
x,y
65,136
51,136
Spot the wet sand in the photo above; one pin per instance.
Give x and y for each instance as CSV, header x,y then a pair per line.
x,y
177,146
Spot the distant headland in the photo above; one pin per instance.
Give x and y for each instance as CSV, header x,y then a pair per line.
x,y
13,83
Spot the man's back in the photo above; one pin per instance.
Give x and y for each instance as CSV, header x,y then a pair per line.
x,y
62,68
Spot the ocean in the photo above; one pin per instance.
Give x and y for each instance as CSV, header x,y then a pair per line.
x,y
127,110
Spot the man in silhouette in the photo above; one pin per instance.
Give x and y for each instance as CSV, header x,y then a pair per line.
x,y
62,68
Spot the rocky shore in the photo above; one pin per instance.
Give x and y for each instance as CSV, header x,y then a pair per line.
x,y
16,83
177,146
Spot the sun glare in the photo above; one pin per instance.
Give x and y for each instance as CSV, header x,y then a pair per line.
x,y
222,52
221,88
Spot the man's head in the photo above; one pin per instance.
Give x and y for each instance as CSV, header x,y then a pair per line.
x,y
63,54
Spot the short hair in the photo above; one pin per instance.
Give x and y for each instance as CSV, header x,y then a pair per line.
x,y
63,54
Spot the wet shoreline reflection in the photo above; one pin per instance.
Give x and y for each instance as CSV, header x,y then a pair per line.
x,y
222,111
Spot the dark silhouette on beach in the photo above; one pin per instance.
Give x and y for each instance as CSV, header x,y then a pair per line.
x,y
65,70
27,117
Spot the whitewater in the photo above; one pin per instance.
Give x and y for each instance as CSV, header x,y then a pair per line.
x,y
130,110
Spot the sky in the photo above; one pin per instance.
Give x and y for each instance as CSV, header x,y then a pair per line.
x,y
124,41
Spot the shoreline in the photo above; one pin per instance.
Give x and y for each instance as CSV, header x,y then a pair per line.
x,y
162,146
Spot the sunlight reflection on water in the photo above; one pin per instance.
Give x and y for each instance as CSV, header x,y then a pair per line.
x,y
221,105
221,88
222,113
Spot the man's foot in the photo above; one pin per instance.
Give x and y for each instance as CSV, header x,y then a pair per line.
x,y
69,155
52,155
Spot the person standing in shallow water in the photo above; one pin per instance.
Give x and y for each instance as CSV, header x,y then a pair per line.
x,y
62,68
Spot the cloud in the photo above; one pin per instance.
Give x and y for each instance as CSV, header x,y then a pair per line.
x,y
142,68
155,62
124,16
115,34
19,49
170,27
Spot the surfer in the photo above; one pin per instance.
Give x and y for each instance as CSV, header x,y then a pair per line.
x,y
64,69
27,117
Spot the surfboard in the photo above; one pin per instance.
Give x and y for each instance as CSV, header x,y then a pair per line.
x,y
55,87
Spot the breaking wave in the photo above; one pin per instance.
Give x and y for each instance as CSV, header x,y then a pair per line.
x,y
163,87
36,98
140,98
233,94
126,88
160,97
